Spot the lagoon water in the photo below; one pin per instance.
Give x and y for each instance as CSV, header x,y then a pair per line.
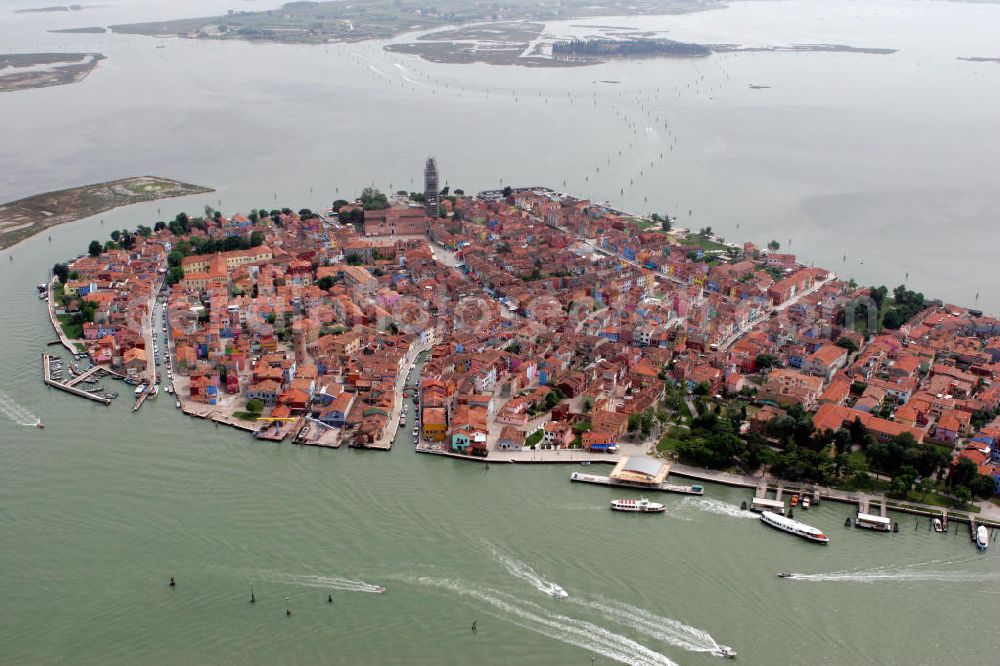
x,y
887,158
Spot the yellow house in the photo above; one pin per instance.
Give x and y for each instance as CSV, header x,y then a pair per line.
x,y
434,424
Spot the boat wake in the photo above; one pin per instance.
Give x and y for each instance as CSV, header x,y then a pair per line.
x,y
523,571
895,576
327,582
579,633
15,412
717,507
405,75
647,623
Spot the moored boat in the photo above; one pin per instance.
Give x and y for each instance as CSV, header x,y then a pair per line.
x,y
805,502
938,525
637,506
982,538
793,527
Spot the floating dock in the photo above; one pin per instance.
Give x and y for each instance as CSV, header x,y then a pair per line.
x,y
660,487
878,522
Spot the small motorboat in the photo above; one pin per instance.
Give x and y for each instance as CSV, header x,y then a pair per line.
x,y
380,589
938,525
784,574
39,424
557,592
982,538
585,463
725,651
795,500
805,503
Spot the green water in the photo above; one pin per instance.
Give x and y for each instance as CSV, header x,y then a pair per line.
x,y
101,507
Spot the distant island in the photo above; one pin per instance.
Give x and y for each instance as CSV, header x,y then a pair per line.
x,y
61,68
31,215
801,48
96,30
55,8
321,22
604,47
977,59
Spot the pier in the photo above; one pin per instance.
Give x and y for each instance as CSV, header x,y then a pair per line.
x,y
659,487
70,387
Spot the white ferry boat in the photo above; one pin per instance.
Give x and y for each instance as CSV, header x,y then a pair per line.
x,y
794,527
639,506
982,539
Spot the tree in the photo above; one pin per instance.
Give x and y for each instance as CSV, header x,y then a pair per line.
x,y
256,239
587,405
963,495
253,217
144,231
983,486
175,258
340,203
878,295
354,259
372,199
61,271
326,282
765,361
255,406
94,249
847,344
774,246
159,226
665,224
507,191
175,275
963,473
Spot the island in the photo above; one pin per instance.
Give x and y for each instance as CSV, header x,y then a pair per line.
x,y
95,30
53,8
321,22
42,70
529,325
29,216
603,48
463,31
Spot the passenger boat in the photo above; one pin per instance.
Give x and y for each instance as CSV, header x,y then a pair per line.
x,y
794,527
872,522
982,538
638,506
